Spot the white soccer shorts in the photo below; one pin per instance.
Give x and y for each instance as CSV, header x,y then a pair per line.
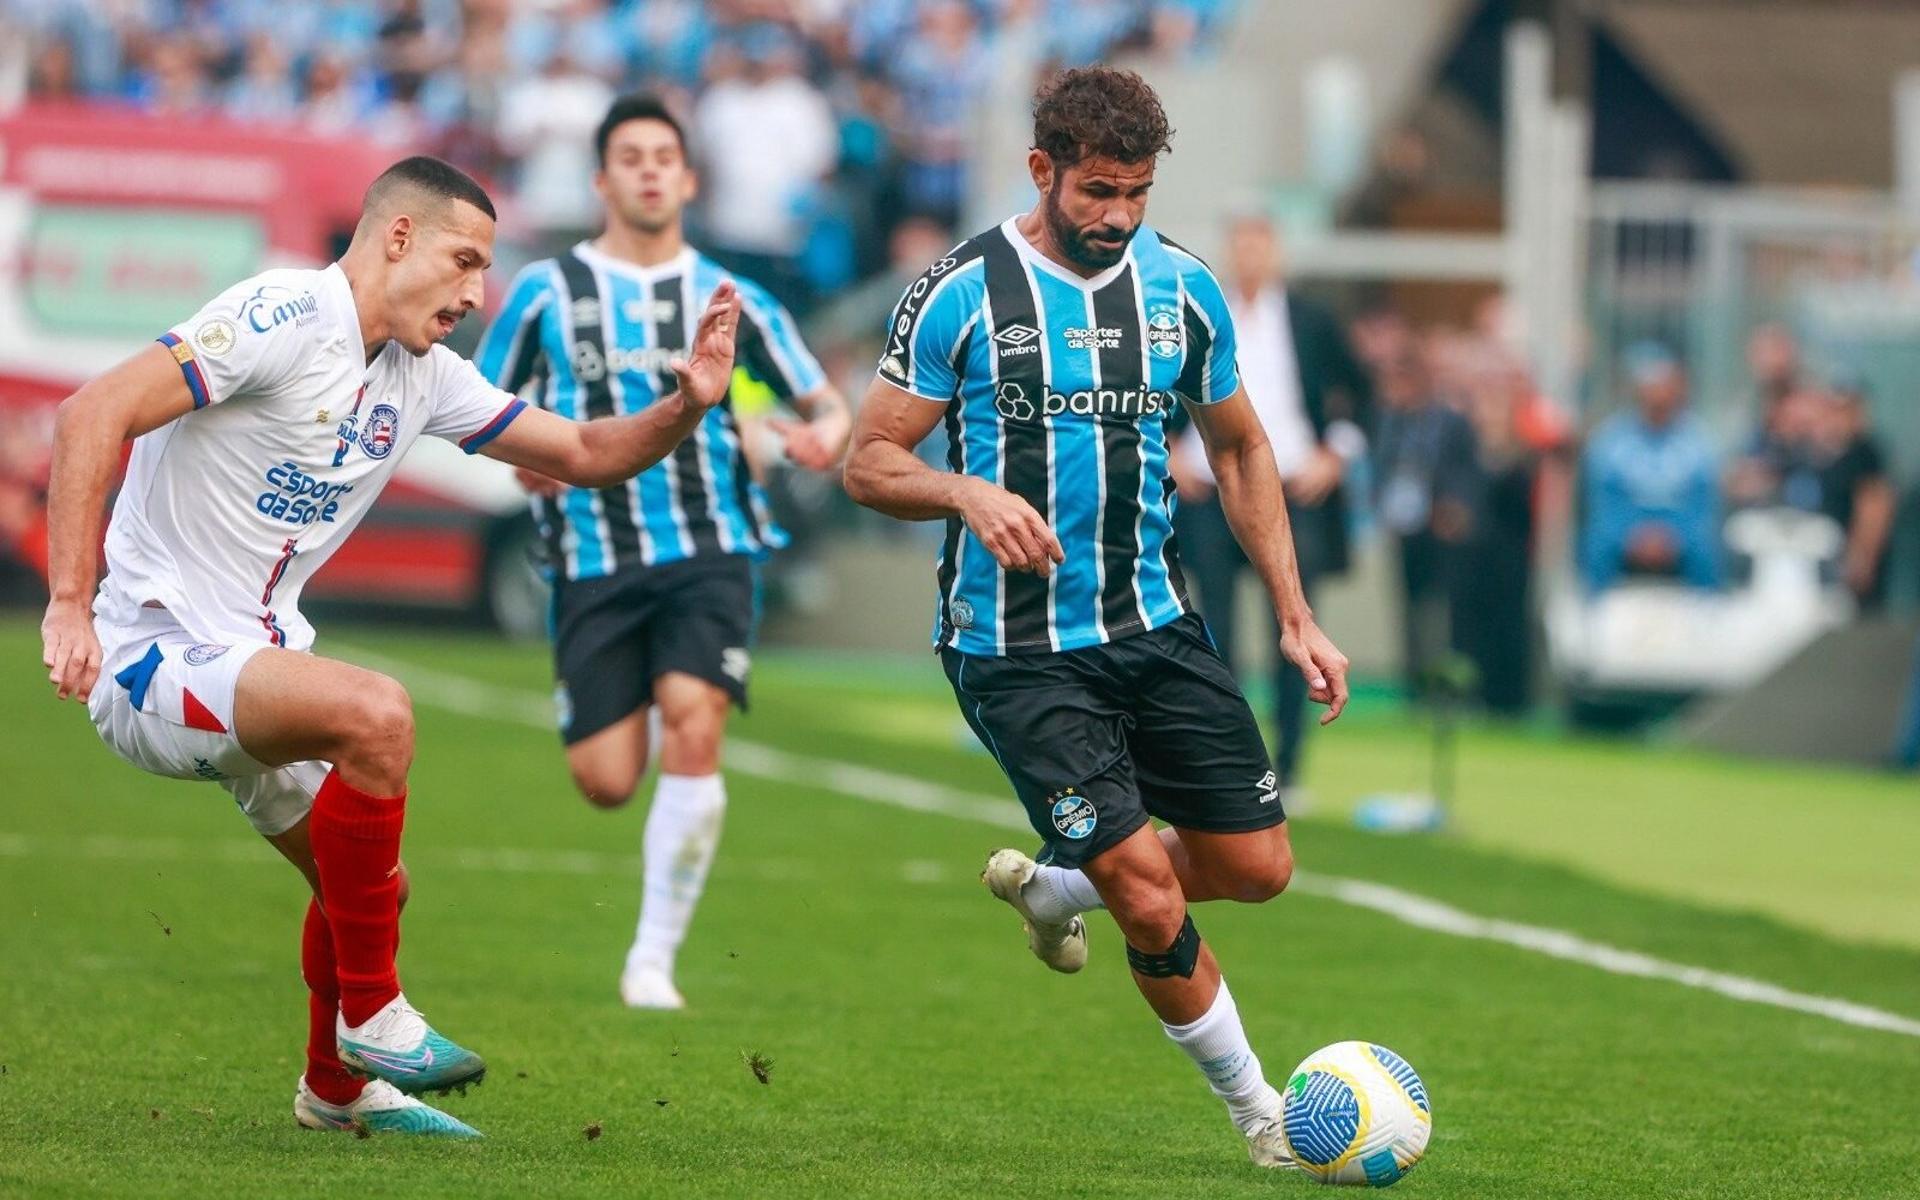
x,y
164,702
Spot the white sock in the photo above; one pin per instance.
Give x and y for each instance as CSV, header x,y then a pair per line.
x,y
683,830
1218,1046
1056,894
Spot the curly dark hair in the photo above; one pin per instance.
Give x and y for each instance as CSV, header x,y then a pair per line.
x,y
1099,112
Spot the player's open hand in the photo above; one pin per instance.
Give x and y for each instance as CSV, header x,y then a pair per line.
x,y
69,649
1010,529
707,369
1321,662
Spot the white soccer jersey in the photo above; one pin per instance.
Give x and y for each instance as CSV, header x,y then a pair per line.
x,y
226,512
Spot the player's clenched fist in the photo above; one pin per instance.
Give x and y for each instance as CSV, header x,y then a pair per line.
x,y
69,649
707,370
1009,528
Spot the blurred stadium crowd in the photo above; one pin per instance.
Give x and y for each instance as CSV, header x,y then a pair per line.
x,y
822,124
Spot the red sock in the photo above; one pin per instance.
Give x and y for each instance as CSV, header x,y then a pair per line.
x,y
356,846
328,1079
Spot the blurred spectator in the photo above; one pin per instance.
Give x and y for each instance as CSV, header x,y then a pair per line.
x,y
1302,378
590,34
1779,466
1855,490
264,90
1521,439
941,72
1428,483
1773,363
174,79
1081,32
548,122
51,74
1652,484
768,140
333,104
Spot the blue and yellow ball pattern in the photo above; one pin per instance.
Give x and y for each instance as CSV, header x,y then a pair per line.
x,y
1356,1113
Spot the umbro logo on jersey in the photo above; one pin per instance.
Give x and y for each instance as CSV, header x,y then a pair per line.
x,y
585,311
1016,340
1268,787
658,312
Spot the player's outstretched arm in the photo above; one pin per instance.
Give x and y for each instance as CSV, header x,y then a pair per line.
x,y
1256,508
143,393
611,450
884,474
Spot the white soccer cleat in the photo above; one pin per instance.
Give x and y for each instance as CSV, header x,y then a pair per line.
x,y
396,1044
380,1108
650,987
1062,947
1267,1145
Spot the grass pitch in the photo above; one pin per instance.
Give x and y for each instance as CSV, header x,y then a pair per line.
x,y
151,1011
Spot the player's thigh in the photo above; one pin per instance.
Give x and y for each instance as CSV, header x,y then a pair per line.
x,y
1195,743
166,702
1061,744
1250,866
602,677
703,630
291,707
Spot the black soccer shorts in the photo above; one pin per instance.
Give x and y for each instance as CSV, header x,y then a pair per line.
x,y
1097,740
615,635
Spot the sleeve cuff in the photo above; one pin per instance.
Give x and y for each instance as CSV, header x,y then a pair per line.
x,y
911,390
473,442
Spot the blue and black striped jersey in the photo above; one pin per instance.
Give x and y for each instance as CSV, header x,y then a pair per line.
x,y
586,335
1058,388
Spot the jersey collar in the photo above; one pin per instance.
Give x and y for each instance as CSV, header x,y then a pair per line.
x,y
1010,229
679,264
341,303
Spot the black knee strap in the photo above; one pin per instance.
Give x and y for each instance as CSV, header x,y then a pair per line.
x,y
1178,959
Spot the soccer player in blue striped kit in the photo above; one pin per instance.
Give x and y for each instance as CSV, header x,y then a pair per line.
x,y
1053,348
654,600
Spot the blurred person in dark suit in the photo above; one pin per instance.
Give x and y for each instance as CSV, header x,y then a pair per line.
x,y
1429,481
1855,489
1313,399
1523,442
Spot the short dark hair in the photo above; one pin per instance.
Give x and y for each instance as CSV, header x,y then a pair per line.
x,y
1099,112
636,106
432,176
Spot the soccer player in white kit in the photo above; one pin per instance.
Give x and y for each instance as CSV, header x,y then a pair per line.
x,y
263,429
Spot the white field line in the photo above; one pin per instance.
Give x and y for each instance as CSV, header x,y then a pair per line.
x,y
470,697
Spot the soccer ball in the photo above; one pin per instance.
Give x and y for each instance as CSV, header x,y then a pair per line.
x,y
1355,1113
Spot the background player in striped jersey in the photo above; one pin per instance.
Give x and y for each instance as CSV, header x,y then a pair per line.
x,y
654,583
1053,347
263,430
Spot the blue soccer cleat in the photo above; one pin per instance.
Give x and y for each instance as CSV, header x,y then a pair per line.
x,y
397,1045
380,1108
